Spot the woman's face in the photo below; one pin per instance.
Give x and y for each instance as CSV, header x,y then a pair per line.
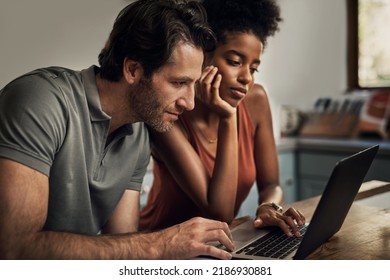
x,y
237,59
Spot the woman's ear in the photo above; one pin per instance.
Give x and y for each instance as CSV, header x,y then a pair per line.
x,y
132,70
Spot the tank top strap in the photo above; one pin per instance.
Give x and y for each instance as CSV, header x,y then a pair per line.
x,y
244,119
207,159
189,131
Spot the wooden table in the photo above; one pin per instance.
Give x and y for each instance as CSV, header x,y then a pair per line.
x,y
364,235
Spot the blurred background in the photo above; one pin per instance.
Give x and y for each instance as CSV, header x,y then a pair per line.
x,y
317,104
306,59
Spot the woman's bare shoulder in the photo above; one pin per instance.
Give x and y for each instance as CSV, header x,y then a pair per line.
x,y
257,102
257,94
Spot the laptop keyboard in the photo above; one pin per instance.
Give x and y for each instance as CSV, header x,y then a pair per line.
x,y
276,244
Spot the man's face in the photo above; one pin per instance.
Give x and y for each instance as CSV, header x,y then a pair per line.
x,y
160,100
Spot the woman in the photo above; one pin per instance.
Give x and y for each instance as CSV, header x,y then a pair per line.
x,y
206,165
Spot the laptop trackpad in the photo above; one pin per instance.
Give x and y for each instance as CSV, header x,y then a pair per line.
x,y
243,235
245,232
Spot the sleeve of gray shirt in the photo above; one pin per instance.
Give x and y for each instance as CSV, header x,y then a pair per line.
x,y
33,121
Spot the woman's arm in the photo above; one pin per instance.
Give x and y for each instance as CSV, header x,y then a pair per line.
x,y
267,168
125,217
266,160
215,195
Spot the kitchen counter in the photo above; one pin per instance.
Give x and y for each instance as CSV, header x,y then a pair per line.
x,y
331,144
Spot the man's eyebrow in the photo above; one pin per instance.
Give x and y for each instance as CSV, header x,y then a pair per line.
x,y
185,78
241,55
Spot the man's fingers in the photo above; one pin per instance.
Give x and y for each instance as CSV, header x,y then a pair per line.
x,y
217,253
211,231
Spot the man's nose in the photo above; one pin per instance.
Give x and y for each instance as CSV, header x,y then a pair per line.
x,y
188,100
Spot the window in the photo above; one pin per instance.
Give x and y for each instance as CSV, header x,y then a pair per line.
x,y
368,44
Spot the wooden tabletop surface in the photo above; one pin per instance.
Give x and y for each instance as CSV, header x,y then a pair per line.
x,y
364,235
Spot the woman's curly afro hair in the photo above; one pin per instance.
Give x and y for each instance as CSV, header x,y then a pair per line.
x,y
260,17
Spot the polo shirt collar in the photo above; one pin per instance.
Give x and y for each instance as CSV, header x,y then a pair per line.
x,y
95,109
88,77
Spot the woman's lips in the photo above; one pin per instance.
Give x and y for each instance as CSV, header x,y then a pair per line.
x,y
238,92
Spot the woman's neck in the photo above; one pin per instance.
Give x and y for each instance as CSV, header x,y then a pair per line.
x,y
205,123
201,113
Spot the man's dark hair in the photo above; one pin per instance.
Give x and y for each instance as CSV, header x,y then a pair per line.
x,y
260,17
147,31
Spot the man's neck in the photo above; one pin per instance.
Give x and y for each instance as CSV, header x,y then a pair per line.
x,y
114,102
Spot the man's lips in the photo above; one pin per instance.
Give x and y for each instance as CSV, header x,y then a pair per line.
x,y
176,114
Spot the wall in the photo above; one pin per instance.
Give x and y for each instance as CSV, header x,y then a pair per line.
x,y
41,33
306,59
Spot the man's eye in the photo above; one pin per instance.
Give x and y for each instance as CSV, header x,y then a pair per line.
x,y
180,83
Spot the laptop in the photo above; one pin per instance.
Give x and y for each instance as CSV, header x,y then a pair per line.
x,y
340,191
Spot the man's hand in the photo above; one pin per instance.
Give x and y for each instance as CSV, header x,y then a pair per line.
x,y
189,239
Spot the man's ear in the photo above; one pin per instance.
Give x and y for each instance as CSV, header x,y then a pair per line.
x,y
132,70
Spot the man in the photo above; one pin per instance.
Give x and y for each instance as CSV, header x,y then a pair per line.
x,y
74,146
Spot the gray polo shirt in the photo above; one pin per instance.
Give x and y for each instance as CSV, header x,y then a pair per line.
x,y
51,120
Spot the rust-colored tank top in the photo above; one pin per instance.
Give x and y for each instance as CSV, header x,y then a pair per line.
x,y
168,205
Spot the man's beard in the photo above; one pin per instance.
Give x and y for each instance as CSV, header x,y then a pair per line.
x,y
147,106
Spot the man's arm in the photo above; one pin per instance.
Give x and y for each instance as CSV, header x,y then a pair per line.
x,y
23,210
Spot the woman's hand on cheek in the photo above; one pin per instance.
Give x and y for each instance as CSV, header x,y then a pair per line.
x,y
208,92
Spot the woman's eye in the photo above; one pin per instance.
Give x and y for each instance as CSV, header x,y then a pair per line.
x,y
253,70
233,62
